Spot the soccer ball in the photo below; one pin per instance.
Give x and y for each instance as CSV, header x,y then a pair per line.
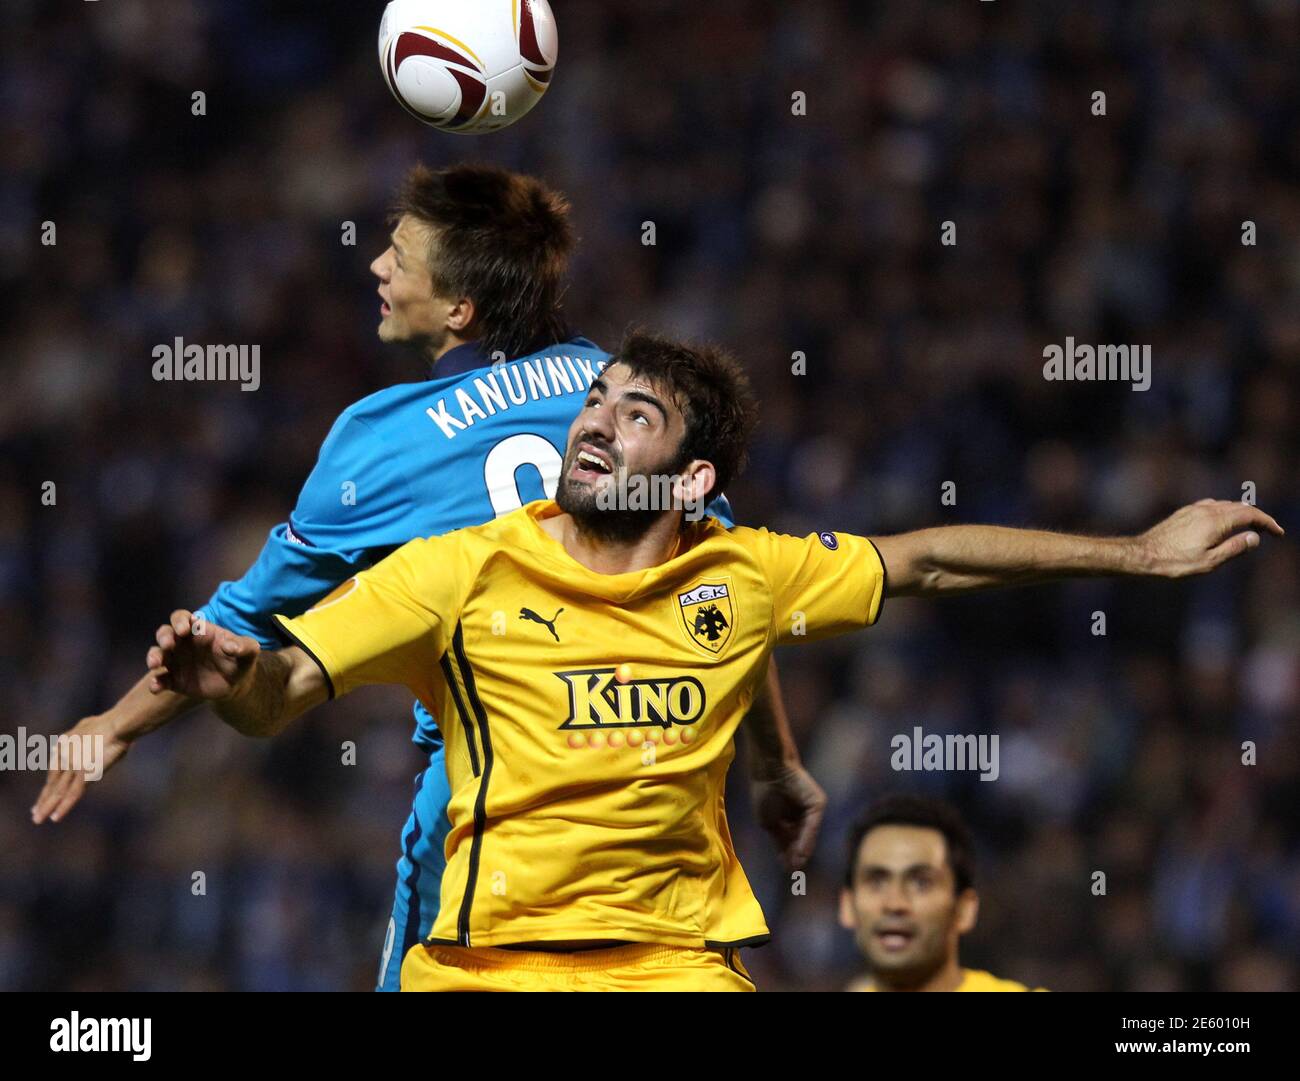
x,y
467,65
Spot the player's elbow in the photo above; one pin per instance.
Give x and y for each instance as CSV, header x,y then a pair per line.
x,y
921,582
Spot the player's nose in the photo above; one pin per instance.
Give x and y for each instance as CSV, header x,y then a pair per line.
x,y
379,268
597,428
893,898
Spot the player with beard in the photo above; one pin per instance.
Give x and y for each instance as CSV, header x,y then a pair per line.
x,y
589,846
473,277
909,896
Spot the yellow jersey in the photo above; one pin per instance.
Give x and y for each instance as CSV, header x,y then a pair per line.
x,y
973,979
977,980
589,718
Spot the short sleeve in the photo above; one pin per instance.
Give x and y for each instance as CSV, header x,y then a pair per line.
x,y
823,584
388,624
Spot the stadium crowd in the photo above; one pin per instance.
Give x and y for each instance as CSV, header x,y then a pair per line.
x,y
798,163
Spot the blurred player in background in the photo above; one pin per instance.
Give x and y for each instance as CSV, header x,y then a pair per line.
x,y
909,895
589,845
474,276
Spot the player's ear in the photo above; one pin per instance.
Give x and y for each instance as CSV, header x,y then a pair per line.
x,y
968,910
696,482
460,316
848,915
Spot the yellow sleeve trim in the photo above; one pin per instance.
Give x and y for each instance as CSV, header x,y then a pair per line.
x,y
878,601
293,631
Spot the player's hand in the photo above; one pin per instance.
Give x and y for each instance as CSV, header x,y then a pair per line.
x,y
65,786
789,804
1197,538
200,659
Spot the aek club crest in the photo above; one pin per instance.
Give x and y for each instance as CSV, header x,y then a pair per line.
x,y
707,615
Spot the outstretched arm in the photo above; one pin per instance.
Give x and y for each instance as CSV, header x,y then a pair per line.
x,y
1194,539
324,543
257,693
137,713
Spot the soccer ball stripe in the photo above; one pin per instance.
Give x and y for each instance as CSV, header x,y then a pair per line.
x,y
473,88
501,53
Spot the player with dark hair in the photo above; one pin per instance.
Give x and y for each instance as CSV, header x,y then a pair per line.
x,y
491,246
474,276
909,896
589,845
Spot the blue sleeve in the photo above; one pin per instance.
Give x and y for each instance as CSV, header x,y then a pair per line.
x,y
354,509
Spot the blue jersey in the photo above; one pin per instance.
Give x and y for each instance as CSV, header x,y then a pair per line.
x,y
415,459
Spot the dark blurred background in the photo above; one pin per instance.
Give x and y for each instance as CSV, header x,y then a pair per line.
x,y
776,233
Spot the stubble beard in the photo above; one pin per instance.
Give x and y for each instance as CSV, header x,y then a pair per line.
x,y
615,523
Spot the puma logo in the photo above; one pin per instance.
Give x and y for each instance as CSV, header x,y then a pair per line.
x,y
549,624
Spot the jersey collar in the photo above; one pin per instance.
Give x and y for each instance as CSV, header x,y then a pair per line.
x,y
469,356
460,359
606,586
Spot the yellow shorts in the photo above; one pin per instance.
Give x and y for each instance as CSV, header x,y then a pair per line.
x,y
638,967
